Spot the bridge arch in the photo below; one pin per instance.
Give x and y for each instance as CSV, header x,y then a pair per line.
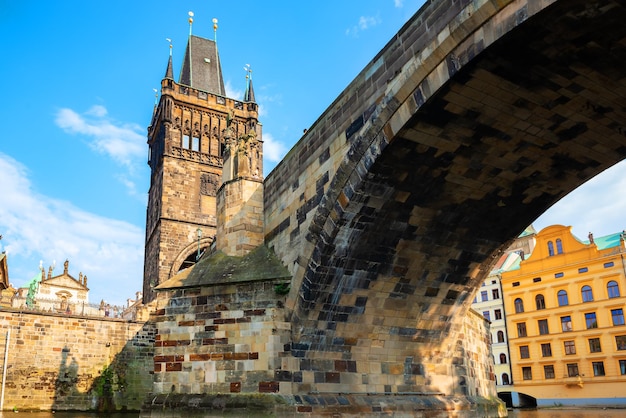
x,y
508,107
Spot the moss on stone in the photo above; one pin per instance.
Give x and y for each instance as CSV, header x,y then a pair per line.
x,y
261,264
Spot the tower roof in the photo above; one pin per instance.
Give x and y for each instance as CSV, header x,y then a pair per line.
x,y
249,97
201,66
169,72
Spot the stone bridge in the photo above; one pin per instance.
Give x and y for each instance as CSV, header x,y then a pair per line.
x,y
470,123
389,212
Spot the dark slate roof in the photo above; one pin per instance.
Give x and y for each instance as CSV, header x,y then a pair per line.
x,y
258,265
169,72
249,93
201,66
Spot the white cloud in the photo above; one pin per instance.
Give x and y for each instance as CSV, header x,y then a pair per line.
x,y
597,206
122,142
364,23
273,151
398,3
233,92
37,227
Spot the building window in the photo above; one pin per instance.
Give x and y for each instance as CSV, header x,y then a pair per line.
x,y
523,351
548,372
500,336
618,316
583,270
521,329
609,264
497,313
515,284
620,341
527,373
612,289
598,368
622,367
495,293
562,296
506,381
550,249
195,144
483,296
566,323
543,327
519,305
536,279
486,315
546,350
186,141
590,320
540,302
558,275
559,246
502,358
570,347
594,345
587,293
572,369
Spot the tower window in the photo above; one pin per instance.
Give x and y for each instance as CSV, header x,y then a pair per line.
x,y
195,144
185,141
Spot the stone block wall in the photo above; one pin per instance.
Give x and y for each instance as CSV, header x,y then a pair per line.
x,y
58,362
221,339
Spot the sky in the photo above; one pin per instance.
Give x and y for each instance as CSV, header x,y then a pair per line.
x,y
79,94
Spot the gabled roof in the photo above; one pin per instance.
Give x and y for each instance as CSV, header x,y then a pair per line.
x,y
201,66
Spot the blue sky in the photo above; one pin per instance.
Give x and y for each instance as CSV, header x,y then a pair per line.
x,y
78,93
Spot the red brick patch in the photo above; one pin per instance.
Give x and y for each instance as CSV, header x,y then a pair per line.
x,y
235,387
268,387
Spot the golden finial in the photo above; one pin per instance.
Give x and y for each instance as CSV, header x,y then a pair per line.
x,y
190,21
215,30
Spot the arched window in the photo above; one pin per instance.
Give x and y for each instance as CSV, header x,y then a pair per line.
x,y
562,296
550,248
587,293
500,336
519,305
502,358
505,379
559,246
613,289
540,302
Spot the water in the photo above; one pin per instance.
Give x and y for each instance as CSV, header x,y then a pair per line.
x,y
541,413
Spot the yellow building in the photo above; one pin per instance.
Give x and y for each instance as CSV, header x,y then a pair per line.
x,y
564,309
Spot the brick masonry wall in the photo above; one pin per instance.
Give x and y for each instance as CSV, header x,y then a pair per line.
x,y
220,339
60,362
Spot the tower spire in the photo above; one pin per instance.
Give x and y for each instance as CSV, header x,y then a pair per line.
x,y
169,72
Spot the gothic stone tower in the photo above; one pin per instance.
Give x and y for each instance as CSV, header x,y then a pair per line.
x,y
187,139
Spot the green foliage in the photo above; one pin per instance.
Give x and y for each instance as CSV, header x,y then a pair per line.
x,y
282,289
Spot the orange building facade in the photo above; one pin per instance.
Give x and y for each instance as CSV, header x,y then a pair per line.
x,y
564,309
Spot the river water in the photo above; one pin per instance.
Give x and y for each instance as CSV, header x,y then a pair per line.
x,y
541,413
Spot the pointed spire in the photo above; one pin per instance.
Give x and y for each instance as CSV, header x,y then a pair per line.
x,y
201,66
169,72
250,96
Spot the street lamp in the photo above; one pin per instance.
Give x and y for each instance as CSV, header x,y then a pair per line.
x,y
199,233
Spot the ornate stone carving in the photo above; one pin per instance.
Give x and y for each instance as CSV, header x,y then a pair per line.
x,y
209,183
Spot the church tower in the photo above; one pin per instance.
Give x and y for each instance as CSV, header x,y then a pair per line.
x,y
187,139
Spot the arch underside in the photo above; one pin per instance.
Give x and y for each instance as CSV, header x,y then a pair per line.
x,y
525,122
